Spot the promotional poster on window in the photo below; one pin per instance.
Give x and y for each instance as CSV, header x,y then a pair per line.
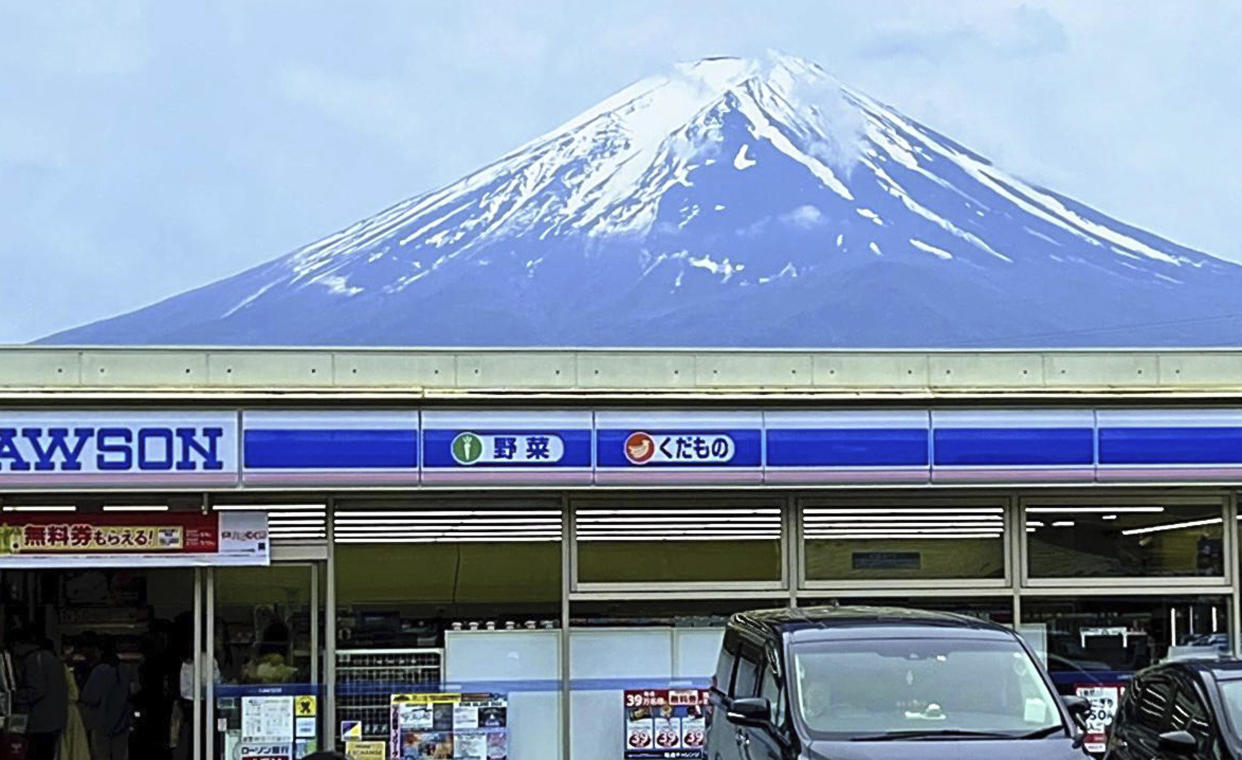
x,y
664,723
1104,698
450,726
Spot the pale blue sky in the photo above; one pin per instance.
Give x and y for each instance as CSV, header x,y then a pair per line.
x,y
147,147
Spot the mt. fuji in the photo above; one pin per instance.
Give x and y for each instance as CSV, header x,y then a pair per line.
x,y
729,202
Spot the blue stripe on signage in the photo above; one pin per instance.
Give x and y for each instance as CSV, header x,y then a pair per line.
x,y
847,447
746,448
1014,446
329,449
438,448
1171,445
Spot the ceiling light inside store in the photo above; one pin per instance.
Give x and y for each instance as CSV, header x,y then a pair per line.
x,y
405,540
1109,517
682,537
425,520
920,536
42,508
1063,524
266,507
926,511
1172,526
903,531
396,514
886,524
136,508
1067,510
906,518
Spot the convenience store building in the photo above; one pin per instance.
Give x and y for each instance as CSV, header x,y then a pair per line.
x,y
549,530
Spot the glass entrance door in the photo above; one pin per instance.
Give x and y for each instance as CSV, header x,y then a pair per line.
x,y
265,630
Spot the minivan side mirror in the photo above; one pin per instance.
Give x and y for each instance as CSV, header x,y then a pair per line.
x,y
1078,706
1177,743
749,711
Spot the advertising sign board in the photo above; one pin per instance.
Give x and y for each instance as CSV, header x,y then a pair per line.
x,y
120,539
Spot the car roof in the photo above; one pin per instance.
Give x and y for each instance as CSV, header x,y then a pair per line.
x,y
1223,669
836,621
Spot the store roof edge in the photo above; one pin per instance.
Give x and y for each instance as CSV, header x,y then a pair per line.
x,y
438,375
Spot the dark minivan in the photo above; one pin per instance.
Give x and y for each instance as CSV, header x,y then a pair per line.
x,y
1180,709
871,683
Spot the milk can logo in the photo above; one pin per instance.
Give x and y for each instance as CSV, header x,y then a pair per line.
x,y
678,448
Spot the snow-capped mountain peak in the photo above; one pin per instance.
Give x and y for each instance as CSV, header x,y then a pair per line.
x,y
724,202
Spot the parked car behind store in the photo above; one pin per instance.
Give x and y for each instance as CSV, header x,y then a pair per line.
x,y
1190,709
870,683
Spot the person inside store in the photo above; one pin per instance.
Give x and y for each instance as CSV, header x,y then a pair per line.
x,y
74,742
183,721
157,684
106,705
270,664
42,693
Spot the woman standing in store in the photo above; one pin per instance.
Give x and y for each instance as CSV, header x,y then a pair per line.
x,y
184,710
74,742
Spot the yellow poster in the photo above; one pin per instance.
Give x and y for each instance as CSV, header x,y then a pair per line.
x,y
366,750
305,706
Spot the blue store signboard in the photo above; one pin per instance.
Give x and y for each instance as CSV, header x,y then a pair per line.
x,y
1013,445
70,449
678,447
848,447
342,448
521,446
131,448
1150,445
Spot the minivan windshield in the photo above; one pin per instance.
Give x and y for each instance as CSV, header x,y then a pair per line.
x,y
1231,693
873,689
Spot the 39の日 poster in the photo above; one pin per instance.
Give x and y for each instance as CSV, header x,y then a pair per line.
x,y
664,723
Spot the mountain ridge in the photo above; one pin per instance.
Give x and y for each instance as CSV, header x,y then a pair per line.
x,y
727,202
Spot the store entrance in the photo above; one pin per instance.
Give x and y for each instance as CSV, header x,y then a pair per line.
x,y
260,687
133,625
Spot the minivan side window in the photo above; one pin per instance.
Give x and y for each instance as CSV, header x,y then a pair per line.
x,y
746,680
1190,714
771,689
1151,709
723,680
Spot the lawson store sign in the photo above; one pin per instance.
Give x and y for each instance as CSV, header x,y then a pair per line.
x,y
71,449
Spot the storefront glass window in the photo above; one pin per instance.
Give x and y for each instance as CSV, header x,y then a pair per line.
x,y
677,542
267,637
451,599
1110,635
897,542
630,661
1096,644
1124,540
